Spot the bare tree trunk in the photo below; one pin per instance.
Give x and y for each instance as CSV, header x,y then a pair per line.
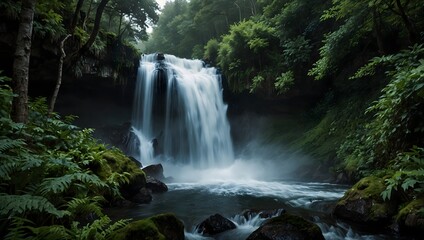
x,y
88,14
21,62
75,17
412,31
59,74
96,27
377,31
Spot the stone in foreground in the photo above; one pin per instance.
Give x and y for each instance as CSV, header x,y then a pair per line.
x,y
215,224
287,227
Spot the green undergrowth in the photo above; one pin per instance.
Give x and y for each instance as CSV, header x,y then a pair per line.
x,y
55,178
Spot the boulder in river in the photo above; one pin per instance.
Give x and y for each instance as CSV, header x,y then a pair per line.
x,y
250,213
155,171
163,226
287,227
215,224
363,203
155,185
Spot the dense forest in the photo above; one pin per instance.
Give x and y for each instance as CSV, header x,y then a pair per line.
x,y
367,56
343,80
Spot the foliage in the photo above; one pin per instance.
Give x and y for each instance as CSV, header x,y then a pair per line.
x,y
48,174
397,123
245,52
211,51
284,82
184,24
337,45
296,50
408,175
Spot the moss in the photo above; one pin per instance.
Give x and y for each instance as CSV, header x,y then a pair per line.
x,y
363,202
142,229
118,162
366,188
159,227
413,207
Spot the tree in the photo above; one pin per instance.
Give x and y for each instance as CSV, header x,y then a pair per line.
x,y
21,62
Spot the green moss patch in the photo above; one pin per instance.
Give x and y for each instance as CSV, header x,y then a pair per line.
x,y
160,227
415,207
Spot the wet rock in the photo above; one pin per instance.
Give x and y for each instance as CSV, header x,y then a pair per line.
x,y
154,171
160,56
215,224
117,135
142,197
363,203
164,226
409,219
250,213
155,185
287,227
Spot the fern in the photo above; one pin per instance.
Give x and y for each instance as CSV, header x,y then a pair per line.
x,y
18,229
99,229
84,206
19,205
7,144
6,169
409,174
61,184
50,232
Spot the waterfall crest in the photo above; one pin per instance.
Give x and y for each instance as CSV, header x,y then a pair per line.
x,y
178,105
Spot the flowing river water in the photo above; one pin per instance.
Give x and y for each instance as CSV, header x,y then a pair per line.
x,y
178,106
193,202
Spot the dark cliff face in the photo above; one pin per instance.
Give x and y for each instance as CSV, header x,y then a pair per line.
x,y
103,92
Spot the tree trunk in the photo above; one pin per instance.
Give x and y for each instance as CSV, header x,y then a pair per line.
x,y
88,14
75,17
59,74
21,62
378,32
96,27
412,31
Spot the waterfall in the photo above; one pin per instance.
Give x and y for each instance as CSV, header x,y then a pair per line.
x,y
178,106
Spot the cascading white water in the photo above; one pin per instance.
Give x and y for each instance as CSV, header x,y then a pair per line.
x,y
179,103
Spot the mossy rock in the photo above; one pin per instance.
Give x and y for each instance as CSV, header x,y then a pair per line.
x,y
288,227
120,163
411,217
160,227
364,204
114,161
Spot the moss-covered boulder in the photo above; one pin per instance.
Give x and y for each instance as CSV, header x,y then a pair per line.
x,y
410,218
364,204
115,162
160,227
288,227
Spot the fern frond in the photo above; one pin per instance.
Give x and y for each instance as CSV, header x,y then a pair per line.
x,y
18,205
99,229
108,232
7,143
18,229
30,162
51,232
62,162
61,184
6,169
87,205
